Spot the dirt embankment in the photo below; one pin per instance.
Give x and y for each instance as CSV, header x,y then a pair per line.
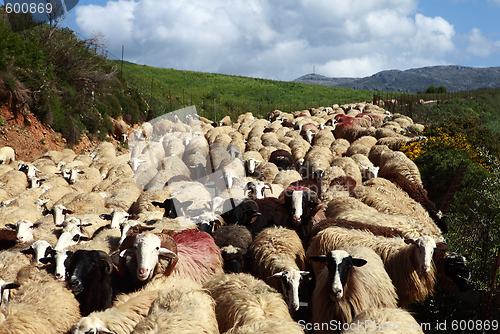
x,y
31,138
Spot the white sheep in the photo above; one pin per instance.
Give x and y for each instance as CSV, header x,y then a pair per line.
x,y
127,311
384,320
353,280
407,261
40,305
182,308
243,300
7,155
279,255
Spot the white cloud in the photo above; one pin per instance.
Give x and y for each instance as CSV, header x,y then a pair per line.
x,y
481,46
271,39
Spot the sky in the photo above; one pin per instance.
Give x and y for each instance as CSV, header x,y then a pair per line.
x,y
285,39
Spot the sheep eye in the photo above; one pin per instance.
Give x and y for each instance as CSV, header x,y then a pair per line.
x,y
157,248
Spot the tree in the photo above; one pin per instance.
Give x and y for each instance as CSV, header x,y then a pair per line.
x,y
433,90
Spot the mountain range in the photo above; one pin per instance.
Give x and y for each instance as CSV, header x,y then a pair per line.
x,y
453,77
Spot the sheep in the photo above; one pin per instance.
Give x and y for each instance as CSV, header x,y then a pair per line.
x,y
59,212
353,280
242,300
317,159
287,177
419,194
7,155
233,241
256,189
349,131
352,209
4,291
182,308
89,278
251,160
350,168
366,167
193,255
40,305
386,197
339,147
324,137
24,230
282,159
383,320
407,261
299,148
240,212
172,206
279,255
117,217
8,238
39,248
127,311
121,130
266,171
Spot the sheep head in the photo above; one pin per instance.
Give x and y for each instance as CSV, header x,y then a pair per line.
x,y
339,264
290,280
425,246
147,249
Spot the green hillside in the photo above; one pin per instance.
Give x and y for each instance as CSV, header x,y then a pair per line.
x,y
232,95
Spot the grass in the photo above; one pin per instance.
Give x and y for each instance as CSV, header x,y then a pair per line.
x,y
232,95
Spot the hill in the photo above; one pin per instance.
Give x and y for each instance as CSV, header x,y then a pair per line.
x,y
454,78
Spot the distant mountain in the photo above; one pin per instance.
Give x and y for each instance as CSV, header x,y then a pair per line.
x,y
454,78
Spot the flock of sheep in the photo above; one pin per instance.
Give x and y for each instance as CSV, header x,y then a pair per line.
x,y
307,221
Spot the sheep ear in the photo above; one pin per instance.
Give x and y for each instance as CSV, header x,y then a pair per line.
x,y
319,258
441,245
411,241
358,262
37,224
167,253
66,211
304,273
47,260
27,251
185,204
100,329
277,275
11,286
125,252
11,226
105,216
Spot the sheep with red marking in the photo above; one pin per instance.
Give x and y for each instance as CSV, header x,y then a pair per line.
x,y
407,261
191,254
353,280
279,256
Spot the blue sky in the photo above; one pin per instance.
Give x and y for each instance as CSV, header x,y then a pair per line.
x,y
284,39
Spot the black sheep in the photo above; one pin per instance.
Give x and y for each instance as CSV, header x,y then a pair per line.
x,y
282,159
241,213
233,240
89,278
172,206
